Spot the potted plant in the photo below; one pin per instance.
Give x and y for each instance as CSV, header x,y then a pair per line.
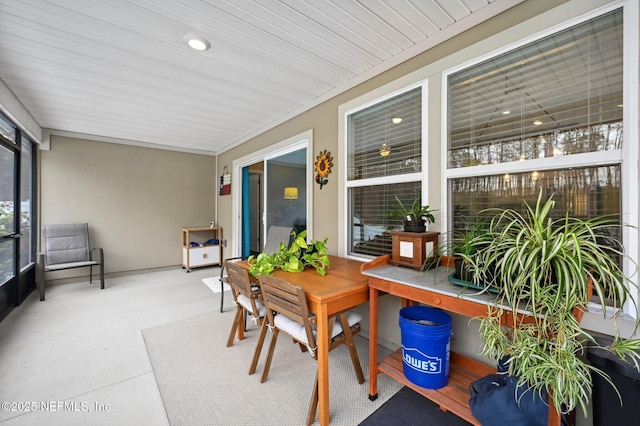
x,y
465,245
415,217
293,258
549,267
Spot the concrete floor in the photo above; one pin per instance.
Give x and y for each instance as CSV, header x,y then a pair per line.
x,y
79,357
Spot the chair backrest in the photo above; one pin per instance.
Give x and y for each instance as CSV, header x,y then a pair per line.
x,y
241,285
275,236
284,298
238,279
66,243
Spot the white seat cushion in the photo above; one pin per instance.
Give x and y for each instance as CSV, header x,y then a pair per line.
x,y
245,302
296,329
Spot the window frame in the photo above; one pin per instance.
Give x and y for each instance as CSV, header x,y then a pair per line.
x,y
627,157
346,218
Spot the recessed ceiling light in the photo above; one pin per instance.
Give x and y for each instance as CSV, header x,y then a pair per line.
x,y
396,120
506,112
537,122
197,43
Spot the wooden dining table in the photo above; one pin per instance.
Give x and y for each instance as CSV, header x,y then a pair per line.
x,y
342,288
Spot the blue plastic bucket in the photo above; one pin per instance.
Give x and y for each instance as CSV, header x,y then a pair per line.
x,y
426,333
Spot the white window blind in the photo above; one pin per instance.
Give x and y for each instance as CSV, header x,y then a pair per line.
x,y
383,141
395,123
558,96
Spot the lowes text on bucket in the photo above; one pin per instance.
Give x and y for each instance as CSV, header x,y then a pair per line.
x,y
421,362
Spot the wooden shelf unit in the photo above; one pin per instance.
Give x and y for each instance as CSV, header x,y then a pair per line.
x,y
455,396
202,255
437,292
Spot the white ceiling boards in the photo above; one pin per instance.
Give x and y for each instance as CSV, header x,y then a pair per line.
x,y
122,69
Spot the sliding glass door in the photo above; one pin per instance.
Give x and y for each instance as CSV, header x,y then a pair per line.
x,y
17,241
286,190
279,192
8,226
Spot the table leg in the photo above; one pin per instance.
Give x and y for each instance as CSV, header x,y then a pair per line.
x,y
323,364
373,343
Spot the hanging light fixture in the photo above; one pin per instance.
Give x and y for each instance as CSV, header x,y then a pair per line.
x,y
385,150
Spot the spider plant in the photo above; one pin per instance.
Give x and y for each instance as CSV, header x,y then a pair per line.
x,y
414,213
465,245
549,267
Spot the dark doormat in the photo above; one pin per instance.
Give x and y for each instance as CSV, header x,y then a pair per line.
x,y
410,408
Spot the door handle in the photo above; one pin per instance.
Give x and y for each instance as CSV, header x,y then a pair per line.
x,y
13,236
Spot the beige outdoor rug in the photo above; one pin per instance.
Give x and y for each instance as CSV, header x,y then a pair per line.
x,y
202,382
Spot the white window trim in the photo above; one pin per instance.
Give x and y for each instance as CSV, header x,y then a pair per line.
x,y
630,174
346,184
627,157
294,143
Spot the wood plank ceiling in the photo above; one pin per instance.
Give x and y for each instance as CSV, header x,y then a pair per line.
x,y
121,70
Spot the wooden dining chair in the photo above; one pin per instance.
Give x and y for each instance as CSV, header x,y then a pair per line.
x,y
287,311
247,299
275,236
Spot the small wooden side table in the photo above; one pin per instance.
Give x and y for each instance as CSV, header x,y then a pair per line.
x,y
412,248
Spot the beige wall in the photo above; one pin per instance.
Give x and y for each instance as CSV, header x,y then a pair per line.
x,y
135,199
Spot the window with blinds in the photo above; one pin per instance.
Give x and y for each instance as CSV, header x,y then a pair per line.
x,y
371,222
384,147
385,139
558,96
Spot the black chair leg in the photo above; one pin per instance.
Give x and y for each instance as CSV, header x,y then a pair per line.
x,y
101,253
102,276
221,296
40,275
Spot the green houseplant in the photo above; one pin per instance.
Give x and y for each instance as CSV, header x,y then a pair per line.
x,y
549,267
415,216
465,245
294,258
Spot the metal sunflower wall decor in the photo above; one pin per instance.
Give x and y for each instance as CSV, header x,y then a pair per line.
x,y
324,162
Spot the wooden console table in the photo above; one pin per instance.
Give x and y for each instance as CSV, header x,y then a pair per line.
x,y
430,288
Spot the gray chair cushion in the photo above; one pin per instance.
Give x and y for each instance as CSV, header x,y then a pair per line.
x,y
275,236
68,243
61,266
